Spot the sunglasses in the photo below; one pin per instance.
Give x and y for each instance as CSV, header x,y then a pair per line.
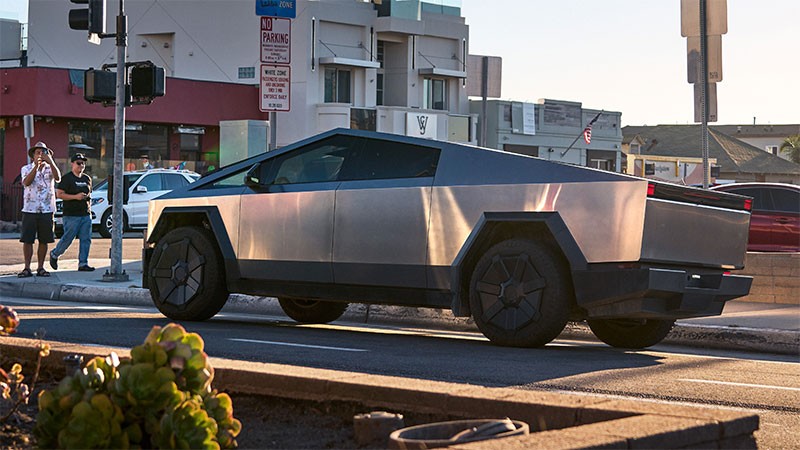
x,y
80,163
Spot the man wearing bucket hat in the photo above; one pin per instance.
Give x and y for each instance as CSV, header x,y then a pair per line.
x,y
39,203
75,190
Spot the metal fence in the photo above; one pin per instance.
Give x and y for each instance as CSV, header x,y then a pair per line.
x,y
11,202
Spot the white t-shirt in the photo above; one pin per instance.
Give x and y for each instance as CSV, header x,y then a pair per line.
x,y
40,196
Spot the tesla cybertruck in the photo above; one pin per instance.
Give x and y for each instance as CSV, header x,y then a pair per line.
x,y
521,244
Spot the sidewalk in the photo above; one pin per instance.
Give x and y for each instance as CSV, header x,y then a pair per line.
x,y
771,328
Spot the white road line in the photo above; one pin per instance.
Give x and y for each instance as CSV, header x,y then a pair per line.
x,y
322,347
728,383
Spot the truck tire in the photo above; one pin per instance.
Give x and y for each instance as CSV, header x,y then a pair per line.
x,y
630,333
187,277
520,293
312,311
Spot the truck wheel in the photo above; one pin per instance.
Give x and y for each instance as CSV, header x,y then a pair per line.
x,y
520,294
187,278
107,223
630,333
312,311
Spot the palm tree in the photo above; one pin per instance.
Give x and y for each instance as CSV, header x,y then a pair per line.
x,y
791,146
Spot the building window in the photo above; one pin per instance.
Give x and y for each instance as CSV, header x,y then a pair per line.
x,y
435,94
381,53
190,147
379,90
363,119
96,141
601,159
337,85
247,72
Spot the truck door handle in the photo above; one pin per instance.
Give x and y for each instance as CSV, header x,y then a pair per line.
x,y
782,220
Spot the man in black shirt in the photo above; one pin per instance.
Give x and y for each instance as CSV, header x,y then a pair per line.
x,y
75,190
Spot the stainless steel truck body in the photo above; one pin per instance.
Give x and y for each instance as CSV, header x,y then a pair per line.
x,y
520,243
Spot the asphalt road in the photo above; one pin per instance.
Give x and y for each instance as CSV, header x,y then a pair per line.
x,y
766,384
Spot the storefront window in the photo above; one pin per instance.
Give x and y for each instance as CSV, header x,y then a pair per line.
x,y
95,139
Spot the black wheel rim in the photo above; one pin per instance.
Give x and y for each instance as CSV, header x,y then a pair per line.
x,y
511,292
179,272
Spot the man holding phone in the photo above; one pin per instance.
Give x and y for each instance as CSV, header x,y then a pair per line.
x,y
39,204
75,190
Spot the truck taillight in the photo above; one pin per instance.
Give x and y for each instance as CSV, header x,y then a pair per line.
x,y
748,204
651,189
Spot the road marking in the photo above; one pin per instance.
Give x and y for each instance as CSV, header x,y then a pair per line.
x,y
322,347
728,383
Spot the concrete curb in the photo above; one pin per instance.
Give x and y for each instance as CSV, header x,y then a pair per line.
x,y
683,334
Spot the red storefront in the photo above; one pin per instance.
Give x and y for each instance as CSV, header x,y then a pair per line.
x,y
179,129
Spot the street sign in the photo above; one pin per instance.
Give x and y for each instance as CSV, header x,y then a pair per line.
x,y
711,98
695,62
716,17
275,87
277,8
475,76
276,36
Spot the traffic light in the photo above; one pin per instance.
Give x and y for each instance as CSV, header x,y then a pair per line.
x,y
92,18
147,81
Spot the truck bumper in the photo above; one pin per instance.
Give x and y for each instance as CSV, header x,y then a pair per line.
x,y
656,293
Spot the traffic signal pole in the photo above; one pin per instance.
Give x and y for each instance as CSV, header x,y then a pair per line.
x,y
115,272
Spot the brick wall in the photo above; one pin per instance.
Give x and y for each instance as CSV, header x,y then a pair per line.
x,y
776,277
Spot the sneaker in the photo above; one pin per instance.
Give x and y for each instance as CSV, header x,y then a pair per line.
x,y
85,269
53,262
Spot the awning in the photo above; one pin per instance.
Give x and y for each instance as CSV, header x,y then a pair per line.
x,y
350,62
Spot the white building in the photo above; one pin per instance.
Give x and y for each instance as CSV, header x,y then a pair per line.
x,y
396,67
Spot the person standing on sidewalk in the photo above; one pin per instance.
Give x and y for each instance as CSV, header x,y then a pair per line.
x,y
75,189
39,203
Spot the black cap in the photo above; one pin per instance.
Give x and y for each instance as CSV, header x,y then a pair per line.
x,y
78,156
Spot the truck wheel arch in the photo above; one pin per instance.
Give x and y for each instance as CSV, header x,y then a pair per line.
x,y
493,227
200,216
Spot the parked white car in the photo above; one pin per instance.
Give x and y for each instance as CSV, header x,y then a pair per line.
x,y
144,185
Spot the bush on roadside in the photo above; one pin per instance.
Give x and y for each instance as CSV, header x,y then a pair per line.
x,y
160,397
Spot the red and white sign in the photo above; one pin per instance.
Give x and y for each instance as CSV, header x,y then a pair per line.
x,y
275,87
276,37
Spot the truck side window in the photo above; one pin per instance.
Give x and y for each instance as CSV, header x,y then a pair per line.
x,y
316,163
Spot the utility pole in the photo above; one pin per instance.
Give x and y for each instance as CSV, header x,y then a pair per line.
x,y
704,90
703,22
115,272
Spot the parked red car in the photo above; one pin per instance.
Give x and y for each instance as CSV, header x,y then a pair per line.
x,y
775,219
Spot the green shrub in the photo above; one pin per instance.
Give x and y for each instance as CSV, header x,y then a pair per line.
x,y
160,397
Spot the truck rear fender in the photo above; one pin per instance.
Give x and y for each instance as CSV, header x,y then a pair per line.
x,y
494,227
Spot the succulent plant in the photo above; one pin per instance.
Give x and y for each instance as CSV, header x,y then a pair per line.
x,y
9,320
160,397
187,425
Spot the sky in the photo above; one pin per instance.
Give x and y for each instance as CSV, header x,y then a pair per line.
x,y
629,56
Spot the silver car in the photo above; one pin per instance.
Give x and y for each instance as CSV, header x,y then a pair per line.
x,y
521,244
